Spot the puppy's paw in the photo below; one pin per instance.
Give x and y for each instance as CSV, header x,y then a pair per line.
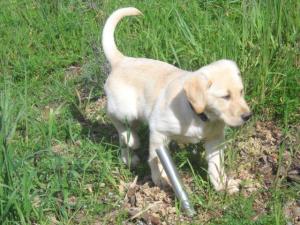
x,y
232,186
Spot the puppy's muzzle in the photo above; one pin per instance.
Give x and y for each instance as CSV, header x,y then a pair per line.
x,y
246,116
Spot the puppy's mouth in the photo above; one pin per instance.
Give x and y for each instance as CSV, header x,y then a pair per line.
x,y
234,121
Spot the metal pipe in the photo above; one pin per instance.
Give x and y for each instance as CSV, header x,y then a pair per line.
x,y
170,168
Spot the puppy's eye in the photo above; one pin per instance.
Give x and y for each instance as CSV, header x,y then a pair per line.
x,y
242,92
226,97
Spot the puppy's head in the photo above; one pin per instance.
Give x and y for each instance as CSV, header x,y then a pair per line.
x,y
217,90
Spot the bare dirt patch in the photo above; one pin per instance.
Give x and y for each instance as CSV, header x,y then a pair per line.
x,y
292,212
267,159
267,156
151,204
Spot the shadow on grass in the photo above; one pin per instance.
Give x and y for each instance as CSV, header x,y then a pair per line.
x,y
97,132
105,132
191,158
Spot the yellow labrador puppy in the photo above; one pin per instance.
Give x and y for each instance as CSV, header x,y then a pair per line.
x,y
178,105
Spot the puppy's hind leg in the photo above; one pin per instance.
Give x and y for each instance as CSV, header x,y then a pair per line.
x,y
128,139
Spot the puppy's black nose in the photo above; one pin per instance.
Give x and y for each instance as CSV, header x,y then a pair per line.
x,y
246,116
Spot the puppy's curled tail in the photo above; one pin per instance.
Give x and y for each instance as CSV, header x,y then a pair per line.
x,y
111,51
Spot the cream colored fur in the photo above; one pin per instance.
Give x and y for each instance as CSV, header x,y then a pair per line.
x,y
169,100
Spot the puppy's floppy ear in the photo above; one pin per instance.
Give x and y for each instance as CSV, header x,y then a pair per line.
x,y
195,90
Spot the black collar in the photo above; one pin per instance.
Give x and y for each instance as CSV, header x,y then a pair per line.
x,y
202,116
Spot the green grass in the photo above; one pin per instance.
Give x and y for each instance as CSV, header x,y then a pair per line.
x,y
50,153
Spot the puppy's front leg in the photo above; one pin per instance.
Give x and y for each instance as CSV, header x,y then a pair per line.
x,y
158,174
215,158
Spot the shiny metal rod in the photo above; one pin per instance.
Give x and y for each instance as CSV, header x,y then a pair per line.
x,y
170,168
